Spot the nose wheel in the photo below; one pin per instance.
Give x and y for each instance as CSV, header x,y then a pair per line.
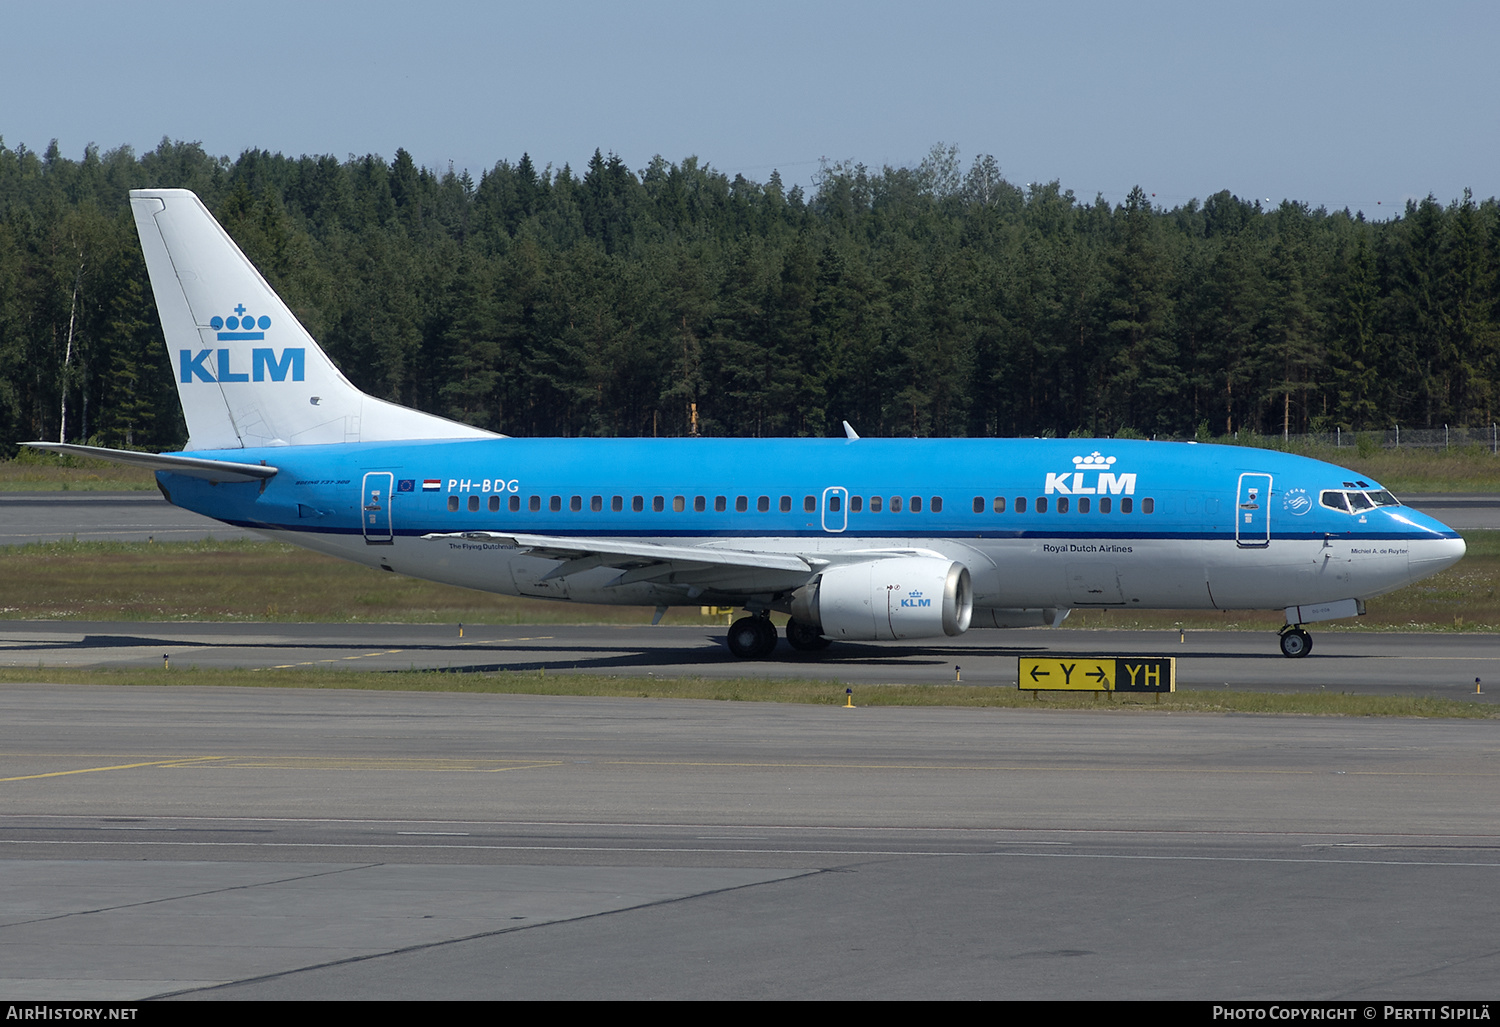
x,y
1295,643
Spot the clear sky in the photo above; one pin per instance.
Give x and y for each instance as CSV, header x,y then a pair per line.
x,y
1336,104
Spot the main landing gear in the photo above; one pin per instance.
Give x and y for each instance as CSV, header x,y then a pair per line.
x,y
754,637
804,637
1295,642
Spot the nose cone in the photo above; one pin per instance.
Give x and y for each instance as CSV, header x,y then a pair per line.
x,y
1428,556
1437,549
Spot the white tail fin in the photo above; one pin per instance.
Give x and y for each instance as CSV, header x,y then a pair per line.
x,y
248,373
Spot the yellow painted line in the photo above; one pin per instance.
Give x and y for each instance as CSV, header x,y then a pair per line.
x,y
178,762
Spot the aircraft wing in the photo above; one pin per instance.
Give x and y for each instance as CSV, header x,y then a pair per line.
x,y
191,466
645,561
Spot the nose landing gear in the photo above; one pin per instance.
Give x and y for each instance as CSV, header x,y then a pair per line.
x,y
1295,642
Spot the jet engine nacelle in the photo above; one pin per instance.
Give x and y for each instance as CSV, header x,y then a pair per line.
x,y
900,597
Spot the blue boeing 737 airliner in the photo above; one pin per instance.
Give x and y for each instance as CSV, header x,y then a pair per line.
x,y
855,539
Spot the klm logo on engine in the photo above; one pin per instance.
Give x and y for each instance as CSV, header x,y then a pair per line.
x,y
1091,475
218,366
914,599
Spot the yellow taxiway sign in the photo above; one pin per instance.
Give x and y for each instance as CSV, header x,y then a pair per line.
x,y
1098,673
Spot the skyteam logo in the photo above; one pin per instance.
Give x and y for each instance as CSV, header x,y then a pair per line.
x,y
1091,475
217,366
1297,502
241,326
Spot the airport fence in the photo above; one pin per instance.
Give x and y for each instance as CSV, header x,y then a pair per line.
x,y
1446,437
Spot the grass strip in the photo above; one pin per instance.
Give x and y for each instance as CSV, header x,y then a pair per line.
x,y
799,691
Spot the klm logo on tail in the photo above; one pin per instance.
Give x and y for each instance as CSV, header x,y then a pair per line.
x,y
216,366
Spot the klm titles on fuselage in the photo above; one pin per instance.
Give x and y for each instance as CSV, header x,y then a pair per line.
x,y
217,366
1105,482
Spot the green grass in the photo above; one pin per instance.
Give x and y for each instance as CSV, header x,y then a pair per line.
x,y
33,471
1470,469
804,692
248,580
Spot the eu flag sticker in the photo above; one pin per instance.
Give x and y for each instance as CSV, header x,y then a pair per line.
x,y
407,485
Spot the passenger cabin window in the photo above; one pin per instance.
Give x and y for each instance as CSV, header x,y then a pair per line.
x,y
534,503
979,504
494,504
1148,505
596,503
473,504
809,504
721,504
637,503
658,504
937,504
1041,504
1083,505
1105,504
1062,504
575,503
1127,505
835,503
617,503
452,504
916,504
699,504
895,504
554,504
741,504
679,504
856,504
999,504
875,504
786,504
515,504
763,504
1020,504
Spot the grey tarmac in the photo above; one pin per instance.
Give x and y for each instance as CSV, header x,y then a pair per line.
x,y
206,843
1442,665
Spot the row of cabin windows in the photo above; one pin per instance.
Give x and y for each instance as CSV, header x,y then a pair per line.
x,y
1085,504
700,504
809,504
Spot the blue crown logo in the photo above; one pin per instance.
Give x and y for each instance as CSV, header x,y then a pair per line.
x,y
241,326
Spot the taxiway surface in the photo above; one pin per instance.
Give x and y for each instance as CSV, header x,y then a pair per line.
x,y
278,843
1369,663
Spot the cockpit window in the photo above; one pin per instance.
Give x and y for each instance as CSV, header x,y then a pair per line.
x,y
1357,502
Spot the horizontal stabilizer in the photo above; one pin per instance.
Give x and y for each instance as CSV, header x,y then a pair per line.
x,y
191,466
